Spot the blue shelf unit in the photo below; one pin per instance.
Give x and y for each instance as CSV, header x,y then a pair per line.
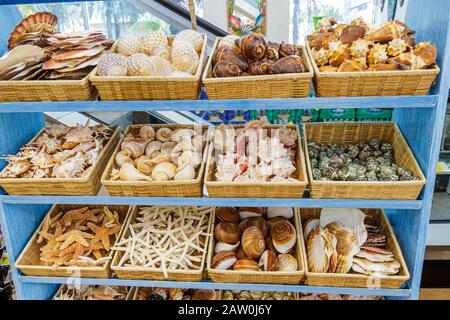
x,y
420,118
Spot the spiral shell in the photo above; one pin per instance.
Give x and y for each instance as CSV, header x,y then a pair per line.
x,y
191,36
283,236
128,45
223,260
253,46
253,242
147,132
227,232
268,261
184,57
246,264
112,65
143,165
227,214
258,222
164,171
153,39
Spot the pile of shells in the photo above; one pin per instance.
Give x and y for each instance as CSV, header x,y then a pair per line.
x,y
160,155
255,239
153,55
59,152
252,55
257,295
373,161
175,294
84,292
325,296
359,46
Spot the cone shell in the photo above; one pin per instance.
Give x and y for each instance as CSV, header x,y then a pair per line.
x,y
223,260
227,214
191,36
246,264
153,39
38,22
283,236
184,57
128,45
253,242
112,65
227,232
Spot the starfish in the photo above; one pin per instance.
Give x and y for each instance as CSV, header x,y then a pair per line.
x,y
45,227
77,214
102,234
74,236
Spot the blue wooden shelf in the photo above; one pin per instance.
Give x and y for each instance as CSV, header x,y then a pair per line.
x,y
238,104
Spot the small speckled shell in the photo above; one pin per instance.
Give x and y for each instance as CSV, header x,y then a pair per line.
x,y
191,36
153,39
158,51
112,64
128,45
140,64
184,57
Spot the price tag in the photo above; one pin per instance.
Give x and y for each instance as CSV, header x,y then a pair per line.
x,y
439,168
4,260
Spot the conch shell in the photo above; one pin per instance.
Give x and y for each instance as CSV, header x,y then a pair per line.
x,y
147,132
290,64
352,33
359,49
253,242
144,165
164,171
133,148
338,53
259,67
320,56
153,148
122,157
397,47
352,66
186,173
427,52
128,172
224,69
253,46
377,54
230,55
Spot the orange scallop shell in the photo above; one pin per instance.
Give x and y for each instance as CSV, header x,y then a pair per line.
x,y
38,22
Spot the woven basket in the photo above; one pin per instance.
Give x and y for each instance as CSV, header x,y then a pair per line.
x,y
47,90
29,261
352,133
218,189
360,280
291,85
130,295
141,273
269,277
372,83
187,188
89,185
220,295
151,88
136,292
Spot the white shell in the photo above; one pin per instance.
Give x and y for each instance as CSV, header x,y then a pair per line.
x,y
191,36
180,134
222,246
287,263
315,251
128,45
128,172
140,64
309,225
244,214
351,218
164,171
153,39
158,51
152,147
287,213
164,134
184,57
187,173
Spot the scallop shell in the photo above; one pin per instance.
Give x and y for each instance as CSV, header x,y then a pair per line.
x,y
246,264
283,236
223,260
40,22
227,232
287,213
287,263
151,40
310,225
315,252
112,65
227,214
191,36
351,218
184,57
128,45
253,242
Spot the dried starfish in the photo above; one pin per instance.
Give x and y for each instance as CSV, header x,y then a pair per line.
x,y
74,236
102,234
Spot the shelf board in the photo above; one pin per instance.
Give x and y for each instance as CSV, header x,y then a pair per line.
x,y
206,201
218,286
428,101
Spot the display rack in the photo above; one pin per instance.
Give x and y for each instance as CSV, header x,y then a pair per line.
x,y
420,119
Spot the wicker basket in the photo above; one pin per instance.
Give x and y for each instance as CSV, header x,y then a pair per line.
x,y
29,261
372,83
220,295
186,188
269,277
218,189
47,90
136,292
359,280
89,185
141,273
151,88
351,133
292,85
130,295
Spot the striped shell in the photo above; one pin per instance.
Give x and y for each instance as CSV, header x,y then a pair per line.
x,y
128,45
43,22
246,264
153,39
191,36
253,242
283,236
184,57
112,65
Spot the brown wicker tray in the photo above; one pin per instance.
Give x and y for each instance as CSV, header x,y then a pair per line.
x,y
29,260
141,273
187,188
151,88
89,185
292,85
350,133
219,189
350,280
372,83
130,295
269,277
220,295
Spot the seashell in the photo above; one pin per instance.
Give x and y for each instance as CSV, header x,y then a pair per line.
x,y
128,172
427,52
246,265
153,148
191,36
133,148
351,218
128,45
240,253
227,232
189,158
346,241
40,22
256,295
112,65
143,164
224,69
287,263
186,173
327,69
140,64
317,257
184,57
164,134
354,65
227,214
19,54
151,40
391,267
269,244
352,33
287,213
167,147
164,171
259,67
19,167
320,56
229,41
245,213
158,51
258,222
321,40
204,294
182,134
253,46
290,64
227,54
147,132
275,220
408,61
223,260
397,47
283,236
309,225
338,53
222,246
359,49
228,295
377,54
122,157
268,261
253,242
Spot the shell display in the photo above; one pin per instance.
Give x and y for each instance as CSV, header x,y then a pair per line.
x,y
128,45
85,292
158,39
112,65
146,293
191,36
257,295
184,57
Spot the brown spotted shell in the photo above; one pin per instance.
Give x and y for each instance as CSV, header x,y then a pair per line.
x,y
128,45
153,39
253,242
